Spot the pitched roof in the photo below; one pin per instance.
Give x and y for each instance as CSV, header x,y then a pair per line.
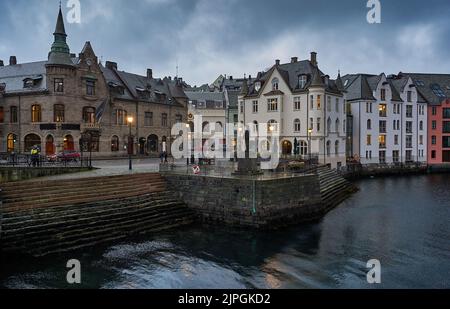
x,y
210,100
205,96
317,78
142,88
14,75
290,73
357,87
428,86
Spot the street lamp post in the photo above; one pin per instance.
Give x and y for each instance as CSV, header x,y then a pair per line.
x,y
309,144
130,144
188,127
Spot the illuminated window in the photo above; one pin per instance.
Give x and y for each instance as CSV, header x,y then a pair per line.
x,y
59,85
382,141
58,113
36,114
383,110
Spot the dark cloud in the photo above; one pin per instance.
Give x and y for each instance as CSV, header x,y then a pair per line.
x,y
211,37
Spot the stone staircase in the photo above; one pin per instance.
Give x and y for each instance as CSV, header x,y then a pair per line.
x,y
333,187
46,217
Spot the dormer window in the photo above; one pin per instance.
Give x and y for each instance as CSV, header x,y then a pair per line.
x,y
302,80
143,93
28,83
257,86
275,83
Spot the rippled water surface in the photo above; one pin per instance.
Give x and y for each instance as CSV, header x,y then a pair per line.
x,y
403,222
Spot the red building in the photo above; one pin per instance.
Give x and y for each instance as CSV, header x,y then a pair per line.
x,y
435,88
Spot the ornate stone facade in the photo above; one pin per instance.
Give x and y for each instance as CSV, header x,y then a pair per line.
x,y
72,102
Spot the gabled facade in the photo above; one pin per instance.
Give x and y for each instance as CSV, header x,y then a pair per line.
x,y
303,105
389,119
71,102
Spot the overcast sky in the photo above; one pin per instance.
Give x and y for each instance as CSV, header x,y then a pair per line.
x,y
236,37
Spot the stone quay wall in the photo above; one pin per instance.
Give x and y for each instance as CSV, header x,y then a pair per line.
x,y
246,202
13,174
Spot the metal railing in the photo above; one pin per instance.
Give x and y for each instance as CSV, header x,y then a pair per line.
x,y
29,161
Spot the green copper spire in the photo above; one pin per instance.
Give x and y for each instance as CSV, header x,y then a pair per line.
x,y
60,44
60,51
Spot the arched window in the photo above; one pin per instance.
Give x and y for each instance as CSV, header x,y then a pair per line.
x,y
49,145
58,113
219,126
421,125
338,125
303,148
336,148
329,124
152,144
275,83
32,140
12,140
36,113
328,148
69,144
369,124
297,125
89,114
272,126
205,126
115,143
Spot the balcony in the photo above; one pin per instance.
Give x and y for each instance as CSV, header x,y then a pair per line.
x,y
90,127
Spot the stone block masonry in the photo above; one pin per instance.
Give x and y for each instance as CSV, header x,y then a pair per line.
x,y
44,217
259,202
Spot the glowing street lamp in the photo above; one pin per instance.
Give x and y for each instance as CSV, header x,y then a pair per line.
x,y
310,130
130,143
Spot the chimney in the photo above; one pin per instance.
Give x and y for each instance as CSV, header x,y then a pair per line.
x,y
111,65
277,62
294,59
2,63
149,73
314,58
12,60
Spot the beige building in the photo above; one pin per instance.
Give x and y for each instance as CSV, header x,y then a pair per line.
x,y
71,102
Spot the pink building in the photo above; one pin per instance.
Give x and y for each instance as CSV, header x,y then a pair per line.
x,y
436,89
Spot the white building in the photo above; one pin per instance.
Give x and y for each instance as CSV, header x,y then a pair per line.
x,y
304,105
389,119
211,106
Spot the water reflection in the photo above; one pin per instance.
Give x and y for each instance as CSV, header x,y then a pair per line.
x,y
403,222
